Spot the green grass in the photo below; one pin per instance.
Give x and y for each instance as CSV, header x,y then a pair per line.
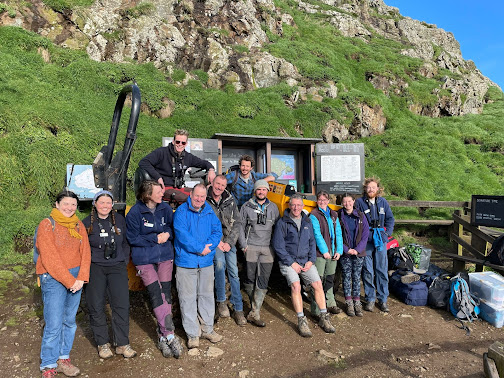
x,y
59,112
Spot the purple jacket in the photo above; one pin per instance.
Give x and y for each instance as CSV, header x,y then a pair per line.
x,y
360,236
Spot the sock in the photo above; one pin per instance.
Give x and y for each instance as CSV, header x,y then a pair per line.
x,y
323,311
300,314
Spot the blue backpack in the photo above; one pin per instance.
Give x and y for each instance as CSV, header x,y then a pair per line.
x,y
463,305
35,250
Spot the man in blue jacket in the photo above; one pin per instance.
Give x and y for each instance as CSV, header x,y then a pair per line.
x,y
198,232
381,224
294,243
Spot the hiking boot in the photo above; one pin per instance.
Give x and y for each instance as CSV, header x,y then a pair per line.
x,y
369,306
223,310
192,342
164,347
334,310
213,337
409,278
239,318
358,308
49,373
175,346
350,308
254,319
67,368
303,328
325,323
383,306
104,351
126,351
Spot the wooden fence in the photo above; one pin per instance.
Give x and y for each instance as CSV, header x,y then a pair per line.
x,y
424,205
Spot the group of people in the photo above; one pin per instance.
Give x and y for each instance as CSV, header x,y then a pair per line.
x,y
199,241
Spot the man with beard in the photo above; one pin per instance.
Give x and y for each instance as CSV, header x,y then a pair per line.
x,y
167,165
259,215
294,243
381,224
224,206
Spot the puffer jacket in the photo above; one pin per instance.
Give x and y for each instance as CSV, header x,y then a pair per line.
x,y
291,245
193,230
228,214
253,233
143,227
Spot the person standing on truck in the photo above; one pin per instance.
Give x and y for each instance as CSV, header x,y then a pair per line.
x,y
168,165
259,215
381,224
224,206
242,181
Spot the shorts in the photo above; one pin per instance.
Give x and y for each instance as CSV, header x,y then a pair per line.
x,y
291,276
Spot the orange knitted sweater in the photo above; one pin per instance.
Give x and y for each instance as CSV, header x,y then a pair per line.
x,y
60,252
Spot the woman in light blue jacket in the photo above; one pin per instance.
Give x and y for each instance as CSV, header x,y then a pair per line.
x,y
328,236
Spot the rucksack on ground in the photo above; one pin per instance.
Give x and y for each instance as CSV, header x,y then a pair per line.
x,y
463,305
399,259
35,250
496,255
439,292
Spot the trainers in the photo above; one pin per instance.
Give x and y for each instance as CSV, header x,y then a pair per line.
x,y
369,306
126,351
350,308
213,337
176,346
192,342
104,351
409,278
49,373
303,328
239,318
223,310
325,324
67,368
334,310
164,347
358,308
383,306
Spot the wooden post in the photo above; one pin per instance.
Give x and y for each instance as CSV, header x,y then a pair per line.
x,y
458,229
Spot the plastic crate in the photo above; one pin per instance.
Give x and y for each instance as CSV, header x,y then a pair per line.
x,y
491,313
488,286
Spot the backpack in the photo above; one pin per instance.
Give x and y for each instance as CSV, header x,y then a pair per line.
x,y
496,255
413,293
236,169
35,250
463,305
439,291
399,259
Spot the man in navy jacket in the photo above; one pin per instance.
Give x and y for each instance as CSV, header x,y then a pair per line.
x,y
381,224
198,232
294,243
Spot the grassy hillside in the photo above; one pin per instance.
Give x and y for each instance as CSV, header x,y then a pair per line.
x,y
55,113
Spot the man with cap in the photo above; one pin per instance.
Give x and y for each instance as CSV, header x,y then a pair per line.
x,y
259,215
242,181
224,206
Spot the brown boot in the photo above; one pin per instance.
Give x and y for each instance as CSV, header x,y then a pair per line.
x,y
358,308
350,311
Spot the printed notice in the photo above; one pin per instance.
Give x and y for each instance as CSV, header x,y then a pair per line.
x,y
340,168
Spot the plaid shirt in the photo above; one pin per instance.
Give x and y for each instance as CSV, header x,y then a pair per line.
x,y
242,190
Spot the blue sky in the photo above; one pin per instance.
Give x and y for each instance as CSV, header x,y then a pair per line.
x,y
477,25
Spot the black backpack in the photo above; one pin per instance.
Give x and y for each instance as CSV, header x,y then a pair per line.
x,y
399,259
496,255
236,169
439,292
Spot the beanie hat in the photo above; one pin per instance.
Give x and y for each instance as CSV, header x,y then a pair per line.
x,y
261,184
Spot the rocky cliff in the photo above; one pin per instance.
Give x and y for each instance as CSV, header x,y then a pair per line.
x,y
225,38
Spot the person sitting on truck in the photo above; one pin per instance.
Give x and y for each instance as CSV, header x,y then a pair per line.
x,y
242,181
167,165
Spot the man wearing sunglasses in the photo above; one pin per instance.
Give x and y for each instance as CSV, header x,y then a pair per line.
x,y
167,165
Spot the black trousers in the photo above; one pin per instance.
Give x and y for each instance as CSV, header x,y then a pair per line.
x,y
111,282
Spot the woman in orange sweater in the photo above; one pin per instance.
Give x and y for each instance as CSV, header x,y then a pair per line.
x,y
63,267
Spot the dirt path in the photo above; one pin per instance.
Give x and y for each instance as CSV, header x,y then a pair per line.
x,y
410,341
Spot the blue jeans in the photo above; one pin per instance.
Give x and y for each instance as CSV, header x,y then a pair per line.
x,y
375,273
223,260
60,308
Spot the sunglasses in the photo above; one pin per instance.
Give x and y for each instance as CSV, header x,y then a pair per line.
x,y
180,142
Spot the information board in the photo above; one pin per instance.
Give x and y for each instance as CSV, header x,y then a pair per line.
x,y
487,211
339,167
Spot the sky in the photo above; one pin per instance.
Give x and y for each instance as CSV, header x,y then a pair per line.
x,y
477,25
